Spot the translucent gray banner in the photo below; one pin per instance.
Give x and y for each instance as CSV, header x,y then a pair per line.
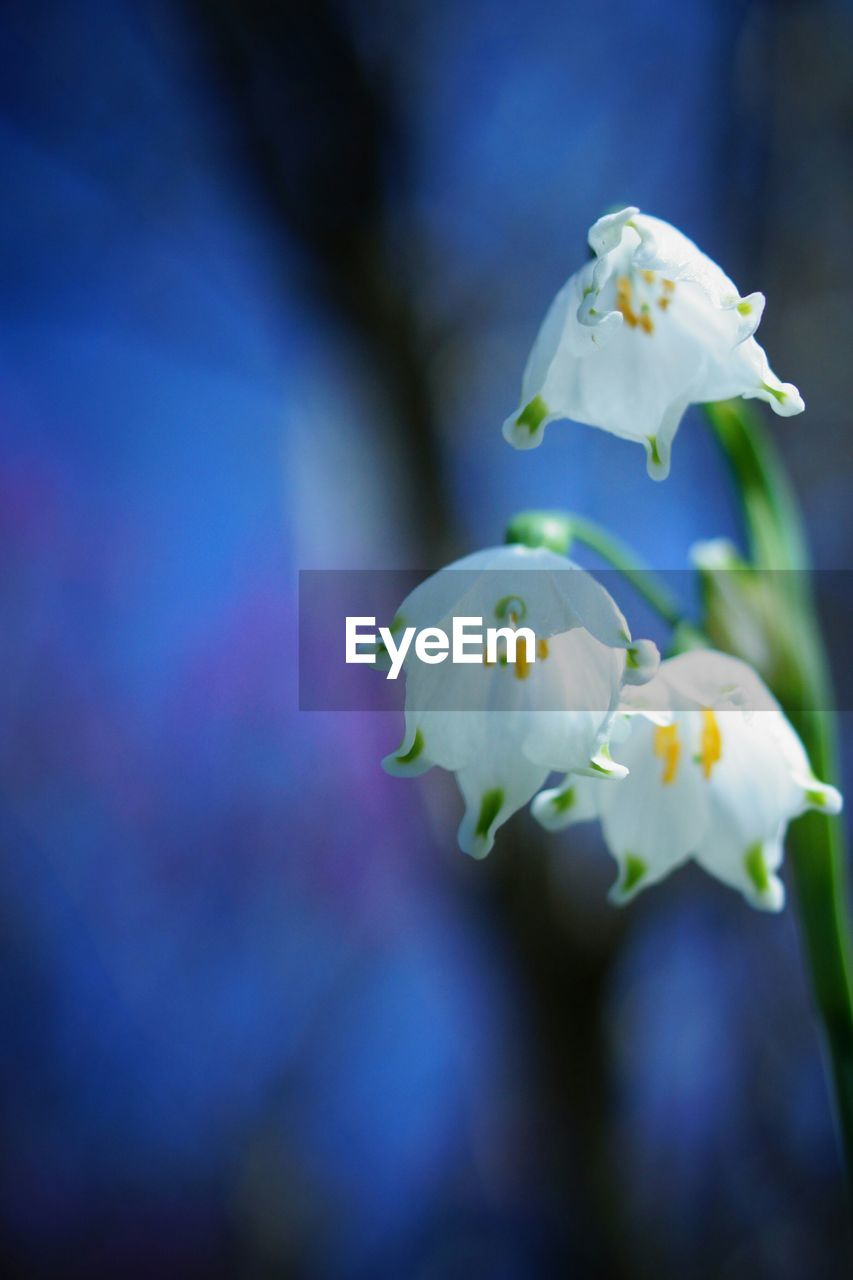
x,y
570,635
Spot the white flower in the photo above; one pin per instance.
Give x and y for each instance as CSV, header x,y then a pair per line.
x,y
716,773
647,327
503,727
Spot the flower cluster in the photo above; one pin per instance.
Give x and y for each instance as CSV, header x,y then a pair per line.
x,y
689,758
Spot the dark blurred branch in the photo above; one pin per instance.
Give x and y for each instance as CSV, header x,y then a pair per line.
x,y
318,140
566,978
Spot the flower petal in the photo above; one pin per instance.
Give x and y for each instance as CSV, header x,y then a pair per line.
x,y
750,869
659,813
411,757
744,371
494,785
575,800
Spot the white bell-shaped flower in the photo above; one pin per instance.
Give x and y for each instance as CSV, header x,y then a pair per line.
x,y
716,772
502,725
645,328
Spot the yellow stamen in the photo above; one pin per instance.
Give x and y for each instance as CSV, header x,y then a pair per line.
x,y
711,743
669,285
663,303
522,664
646,323
668,748
623,301
648,276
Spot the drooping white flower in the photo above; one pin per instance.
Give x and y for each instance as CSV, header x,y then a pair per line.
x,y
503,726
716,772
645,328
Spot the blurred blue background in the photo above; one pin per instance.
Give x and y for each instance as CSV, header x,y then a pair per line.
x,y
269,275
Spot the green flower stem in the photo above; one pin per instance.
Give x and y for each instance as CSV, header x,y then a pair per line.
x,y
774,525
559,530
817,842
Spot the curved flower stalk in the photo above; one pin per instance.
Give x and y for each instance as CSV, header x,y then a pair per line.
x,y
715,772
503,725
775,539
647,327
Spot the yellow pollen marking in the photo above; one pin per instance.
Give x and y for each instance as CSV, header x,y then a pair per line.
x,y
522,664
668,748
623,301
711,742
665,298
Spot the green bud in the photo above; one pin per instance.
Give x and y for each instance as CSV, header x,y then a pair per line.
x,y
551,529
748,612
